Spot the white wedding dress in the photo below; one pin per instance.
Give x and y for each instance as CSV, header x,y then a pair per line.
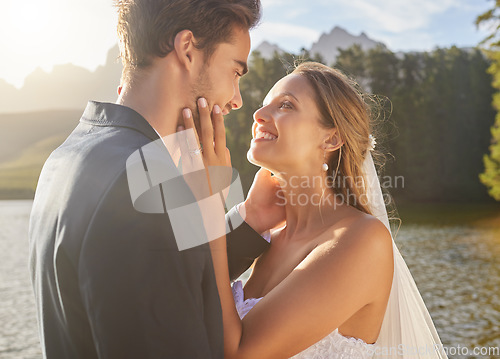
x,y
333,346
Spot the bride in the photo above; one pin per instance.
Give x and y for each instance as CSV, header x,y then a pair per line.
x,y
332,283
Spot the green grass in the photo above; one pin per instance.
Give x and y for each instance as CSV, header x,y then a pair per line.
x,y
20,131
19,176
487,214
26,140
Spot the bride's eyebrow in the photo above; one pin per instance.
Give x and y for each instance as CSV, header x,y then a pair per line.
x,y
283,94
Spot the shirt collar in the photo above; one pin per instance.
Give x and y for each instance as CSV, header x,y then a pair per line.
x,y
114,115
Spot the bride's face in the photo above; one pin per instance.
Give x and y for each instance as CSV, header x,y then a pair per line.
x,y
287,135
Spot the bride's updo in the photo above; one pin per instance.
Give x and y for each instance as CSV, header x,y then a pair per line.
x,y
341,105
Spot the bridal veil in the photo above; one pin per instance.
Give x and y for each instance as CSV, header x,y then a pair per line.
x,y
407,329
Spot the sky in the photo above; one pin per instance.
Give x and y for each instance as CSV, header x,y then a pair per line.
x,y
44,33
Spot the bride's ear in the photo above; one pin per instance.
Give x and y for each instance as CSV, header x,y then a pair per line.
x,y
184,47
333,141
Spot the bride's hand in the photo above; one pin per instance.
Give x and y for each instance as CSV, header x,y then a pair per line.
x,y
215,155
207,170
213,134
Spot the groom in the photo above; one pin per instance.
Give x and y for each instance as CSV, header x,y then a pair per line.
x,y
109,281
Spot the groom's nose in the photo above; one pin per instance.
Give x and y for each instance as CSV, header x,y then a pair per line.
x,y
237,100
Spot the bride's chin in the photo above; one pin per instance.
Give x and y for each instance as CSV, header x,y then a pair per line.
x,y
255,159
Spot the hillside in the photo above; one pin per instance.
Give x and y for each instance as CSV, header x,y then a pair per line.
x,y
66,86
26,140
35,119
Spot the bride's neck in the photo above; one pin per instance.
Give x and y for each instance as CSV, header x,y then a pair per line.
x,y
309,204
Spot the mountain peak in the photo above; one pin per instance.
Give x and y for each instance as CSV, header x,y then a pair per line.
x,y
268,49
338,29
329,44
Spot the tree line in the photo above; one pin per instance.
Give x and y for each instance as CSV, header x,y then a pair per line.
x,y
434,114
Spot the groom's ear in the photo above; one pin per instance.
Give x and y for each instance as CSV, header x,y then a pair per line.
x,y
185,50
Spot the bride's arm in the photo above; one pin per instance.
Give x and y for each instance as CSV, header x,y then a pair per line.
x,y
233,328
330,285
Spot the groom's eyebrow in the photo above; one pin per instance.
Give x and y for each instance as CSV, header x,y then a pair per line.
x,y
244,66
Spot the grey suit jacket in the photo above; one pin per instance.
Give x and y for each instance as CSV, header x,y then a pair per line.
x,y
109,281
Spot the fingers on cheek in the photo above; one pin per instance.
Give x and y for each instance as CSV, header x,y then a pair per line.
x,y
202,105
187,115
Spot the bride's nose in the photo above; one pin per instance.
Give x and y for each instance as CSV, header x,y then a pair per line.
x,y
260,116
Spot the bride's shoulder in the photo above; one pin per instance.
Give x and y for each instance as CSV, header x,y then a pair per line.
x,y
362,232
368,224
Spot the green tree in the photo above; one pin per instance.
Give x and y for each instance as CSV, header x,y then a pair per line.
x,y
491,175
441,107
435,118
352,61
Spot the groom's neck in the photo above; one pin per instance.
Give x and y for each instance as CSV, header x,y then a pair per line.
x,y
157,96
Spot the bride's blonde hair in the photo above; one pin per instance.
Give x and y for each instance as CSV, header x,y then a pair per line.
x,y
342,106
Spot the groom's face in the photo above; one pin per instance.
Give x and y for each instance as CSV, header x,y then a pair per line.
x,y
219,79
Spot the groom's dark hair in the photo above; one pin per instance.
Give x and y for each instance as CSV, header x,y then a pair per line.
x,y
147,28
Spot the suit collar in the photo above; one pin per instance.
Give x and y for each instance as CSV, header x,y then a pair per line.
x,y
114,115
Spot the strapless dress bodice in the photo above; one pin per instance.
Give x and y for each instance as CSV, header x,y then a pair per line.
x,y
333,346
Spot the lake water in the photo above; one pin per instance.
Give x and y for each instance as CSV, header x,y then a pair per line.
x,y
18,329
456,267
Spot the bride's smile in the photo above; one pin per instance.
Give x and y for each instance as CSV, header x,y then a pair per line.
x,y
261,134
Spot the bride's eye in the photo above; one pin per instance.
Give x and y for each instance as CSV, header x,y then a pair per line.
x,y
286,105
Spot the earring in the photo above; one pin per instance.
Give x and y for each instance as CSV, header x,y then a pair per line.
x,y
324,166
